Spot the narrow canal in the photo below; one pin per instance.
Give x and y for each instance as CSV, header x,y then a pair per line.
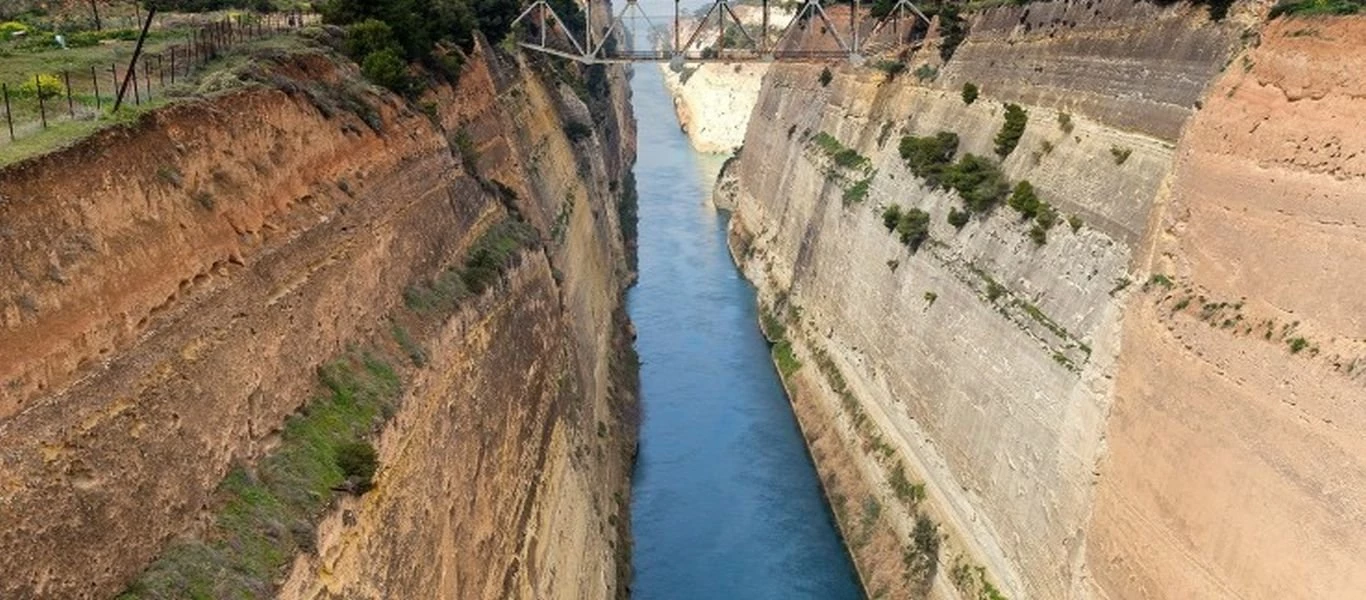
x,y
726,503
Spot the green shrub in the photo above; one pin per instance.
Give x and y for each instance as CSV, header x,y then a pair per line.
x,y
1039,235
929,157
890,68
577,131
952,30
994,290
979,181
969,93
358,462
9,28
368,37
1047,216
922,557
857,192
1075,222
890,217
1297,344
1312,7
46,86
1120,154
926,73
826,76
958,218
1065,122
913,227
842,156
1015,120
385,68
1024,200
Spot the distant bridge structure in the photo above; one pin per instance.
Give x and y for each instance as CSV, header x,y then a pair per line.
x,y
720,35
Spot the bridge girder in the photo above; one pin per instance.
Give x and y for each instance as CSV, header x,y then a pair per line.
x,y
671,48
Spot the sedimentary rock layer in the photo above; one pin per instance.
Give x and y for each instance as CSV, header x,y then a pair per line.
x,y
169,289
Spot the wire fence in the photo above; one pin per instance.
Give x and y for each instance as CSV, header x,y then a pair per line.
x,y
34,102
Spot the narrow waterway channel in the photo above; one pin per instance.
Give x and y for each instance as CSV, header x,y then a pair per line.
x,y
726,502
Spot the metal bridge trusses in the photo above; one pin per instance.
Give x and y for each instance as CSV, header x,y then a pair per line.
x,y
545,31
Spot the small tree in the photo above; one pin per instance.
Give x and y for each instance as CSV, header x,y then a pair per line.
x,y
969,93
385,68
1024,199
358,462
891,216
1012,130
914,228
826,76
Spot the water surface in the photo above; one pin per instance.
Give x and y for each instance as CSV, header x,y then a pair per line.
x,y
726,502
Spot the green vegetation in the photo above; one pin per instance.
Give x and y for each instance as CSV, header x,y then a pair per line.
x,y
496,251
410,346
890,216
1074,222
1065,122
787,361
890,68
922,556
969,93
926,73
1158,279
358,462
1024,199
952,29
266,515
913,227
930,297
971,581
1297,344
958,218
929,157
577,131
1315,7
429,31
1015,120
842,156
994,290
979,181
825,77
1120,154
911,494
858,191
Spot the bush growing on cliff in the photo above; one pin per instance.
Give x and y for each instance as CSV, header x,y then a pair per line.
x,y
958,218
969,93
1311,7
1011,130
358,462
890,217
929,157
1024,200
952,30
979,181
913,227
385,68
826,76
922,556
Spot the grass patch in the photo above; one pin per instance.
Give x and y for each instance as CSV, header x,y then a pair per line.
x,y
495,252
858,192
267,515
785,358
843,157
1317,7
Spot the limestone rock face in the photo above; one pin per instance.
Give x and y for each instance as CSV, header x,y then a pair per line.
x,y
169,290
1154,403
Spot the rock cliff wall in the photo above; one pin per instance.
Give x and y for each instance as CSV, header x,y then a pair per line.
x,y
1007,375
170,289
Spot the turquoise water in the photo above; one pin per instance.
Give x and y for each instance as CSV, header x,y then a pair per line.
x,y
726,502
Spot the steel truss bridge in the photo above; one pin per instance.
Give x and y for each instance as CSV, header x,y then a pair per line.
x,y
721,35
